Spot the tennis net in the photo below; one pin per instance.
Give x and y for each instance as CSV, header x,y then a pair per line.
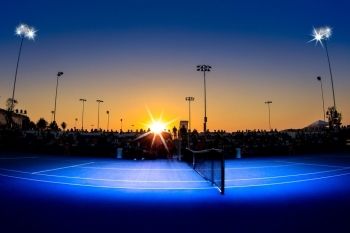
x,y
210,164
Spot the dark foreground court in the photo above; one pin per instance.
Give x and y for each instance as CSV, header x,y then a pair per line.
x,y
278,194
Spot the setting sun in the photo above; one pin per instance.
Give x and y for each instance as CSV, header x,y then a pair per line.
x,y
157,127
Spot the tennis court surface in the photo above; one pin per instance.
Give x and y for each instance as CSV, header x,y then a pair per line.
x,y
275,194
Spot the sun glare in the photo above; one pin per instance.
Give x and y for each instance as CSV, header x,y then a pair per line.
x,y
157,127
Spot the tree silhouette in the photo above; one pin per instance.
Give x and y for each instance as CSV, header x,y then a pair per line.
x,y
334,118
64,125
9,105
41,124
32,125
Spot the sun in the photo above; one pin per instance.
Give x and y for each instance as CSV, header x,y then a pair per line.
x,y
157,127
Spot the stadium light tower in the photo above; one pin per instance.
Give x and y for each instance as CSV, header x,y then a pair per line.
x,y
23,31
324,113
82,114
189,99
98,113
322,35
268,106
204,69
59,74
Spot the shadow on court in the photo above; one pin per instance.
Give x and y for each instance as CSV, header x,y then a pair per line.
x,y
280,194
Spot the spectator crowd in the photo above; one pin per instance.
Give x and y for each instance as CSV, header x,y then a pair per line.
x,y
98,143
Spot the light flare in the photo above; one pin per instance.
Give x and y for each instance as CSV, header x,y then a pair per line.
x,y
23,30
322,33
157,127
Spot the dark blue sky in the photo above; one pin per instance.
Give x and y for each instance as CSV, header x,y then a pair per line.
x,y
256,47
257,18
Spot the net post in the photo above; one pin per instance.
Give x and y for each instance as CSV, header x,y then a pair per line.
x,y
223,174
212,160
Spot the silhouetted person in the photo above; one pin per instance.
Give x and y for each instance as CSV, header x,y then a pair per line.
x,y
175,132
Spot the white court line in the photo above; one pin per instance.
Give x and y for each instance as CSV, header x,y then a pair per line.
x,y
112,180
180,169
139,169
310,164
54,169
287,182
242,168
286,176
11,158
130,181
177,181
171,188
105,186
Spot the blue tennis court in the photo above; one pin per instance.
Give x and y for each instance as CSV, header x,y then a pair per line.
x,y
173,174
172,188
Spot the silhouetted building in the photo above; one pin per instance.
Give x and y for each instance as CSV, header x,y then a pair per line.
x,y
17,119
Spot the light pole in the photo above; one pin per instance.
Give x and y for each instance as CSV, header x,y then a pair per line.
x,y
324,113
121,125
189,99
52,112
268,106
107,120
98,113
82,114
75,123
323,34
59,74
204,69
23,31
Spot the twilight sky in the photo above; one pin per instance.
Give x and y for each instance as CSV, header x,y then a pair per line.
x,y
137,54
